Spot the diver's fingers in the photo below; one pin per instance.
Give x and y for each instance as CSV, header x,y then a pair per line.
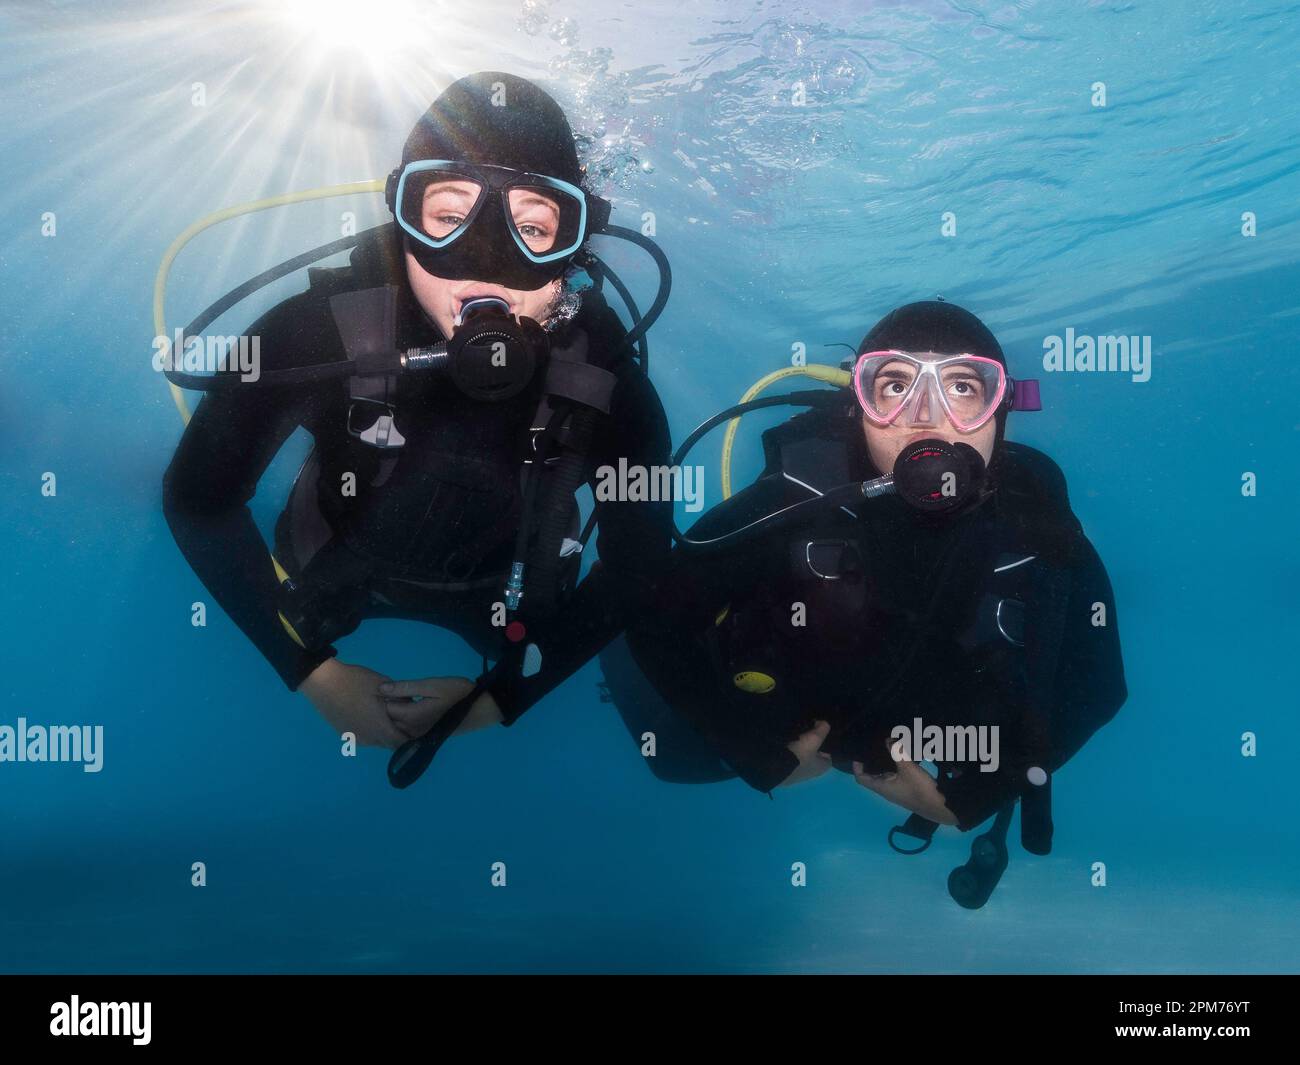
x,y
392,730
406,709
811,741
405,730
407,689
913,773
416,718
396,712
404,689
876,782
906,785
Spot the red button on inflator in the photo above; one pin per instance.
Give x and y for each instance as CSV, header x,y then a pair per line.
x,y
515,631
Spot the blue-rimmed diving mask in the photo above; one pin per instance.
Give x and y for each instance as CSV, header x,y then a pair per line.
x,y
492,223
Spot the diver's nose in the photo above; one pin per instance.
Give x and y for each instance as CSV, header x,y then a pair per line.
x,y
922,411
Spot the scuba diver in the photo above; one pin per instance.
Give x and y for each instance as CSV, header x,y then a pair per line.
x,y
460,386
898,564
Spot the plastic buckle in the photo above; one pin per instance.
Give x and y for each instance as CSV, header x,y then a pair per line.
x,y
839,561
382,431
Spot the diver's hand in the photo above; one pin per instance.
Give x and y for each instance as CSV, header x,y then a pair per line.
x,y
813,762
910,787
346,696
416,705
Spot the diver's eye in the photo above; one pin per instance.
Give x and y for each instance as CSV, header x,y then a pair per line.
x,y
539,238
441,224
446,206
536,217
965,389
530,231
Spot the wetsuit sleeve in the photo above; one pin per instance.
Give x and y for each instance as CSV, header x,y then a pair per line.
x,y
633,541
1086,692
227,445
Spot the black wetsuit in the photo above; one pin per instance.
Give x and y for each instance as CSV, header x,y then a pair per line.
x,y
896,630
434,540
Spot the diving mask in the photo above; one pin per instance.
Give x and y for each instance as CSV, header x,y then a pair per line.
x,y
921,388
492,223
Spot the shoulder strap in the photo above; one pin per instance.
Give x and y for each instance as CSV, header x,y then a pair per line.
x,y
816,462
367,324
809,454
1044,629
575,394
1036,506
810,446
572,377
562,385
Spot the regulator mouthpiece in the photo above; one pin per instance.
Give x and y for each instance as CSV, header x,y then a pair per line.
x,y
932,475
481,305
491,357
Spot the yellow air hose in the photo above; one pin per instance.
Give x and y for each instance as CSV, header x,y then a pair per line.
x,y
193,230
831,375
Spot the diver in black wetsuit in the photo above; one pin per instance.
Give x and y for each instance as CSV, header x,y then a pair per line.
x,y
785,646
444,496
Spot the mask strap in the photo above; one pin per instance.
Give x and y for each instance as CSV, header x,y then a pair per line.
x,y
1024,395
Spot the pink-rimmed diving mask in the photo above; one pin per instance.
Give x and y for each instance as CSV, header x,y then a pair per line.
x,y
922,388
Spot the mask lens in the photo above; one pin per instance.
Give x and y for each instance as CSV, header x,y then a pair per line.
x,y
885,382
439,203
969,389
547,220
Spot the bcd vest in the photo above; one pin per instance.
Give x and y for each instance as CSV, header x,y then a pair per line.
x,y
457,508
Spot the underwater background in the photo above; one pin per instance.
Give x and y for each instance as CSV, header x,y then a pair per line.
x,y
798,159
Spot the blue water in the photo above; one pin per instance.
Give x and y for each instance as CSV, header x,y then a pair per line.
x,y
785,224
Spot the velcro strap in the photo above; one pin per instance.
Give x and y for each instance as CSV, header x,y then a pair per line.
x,y
580,382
